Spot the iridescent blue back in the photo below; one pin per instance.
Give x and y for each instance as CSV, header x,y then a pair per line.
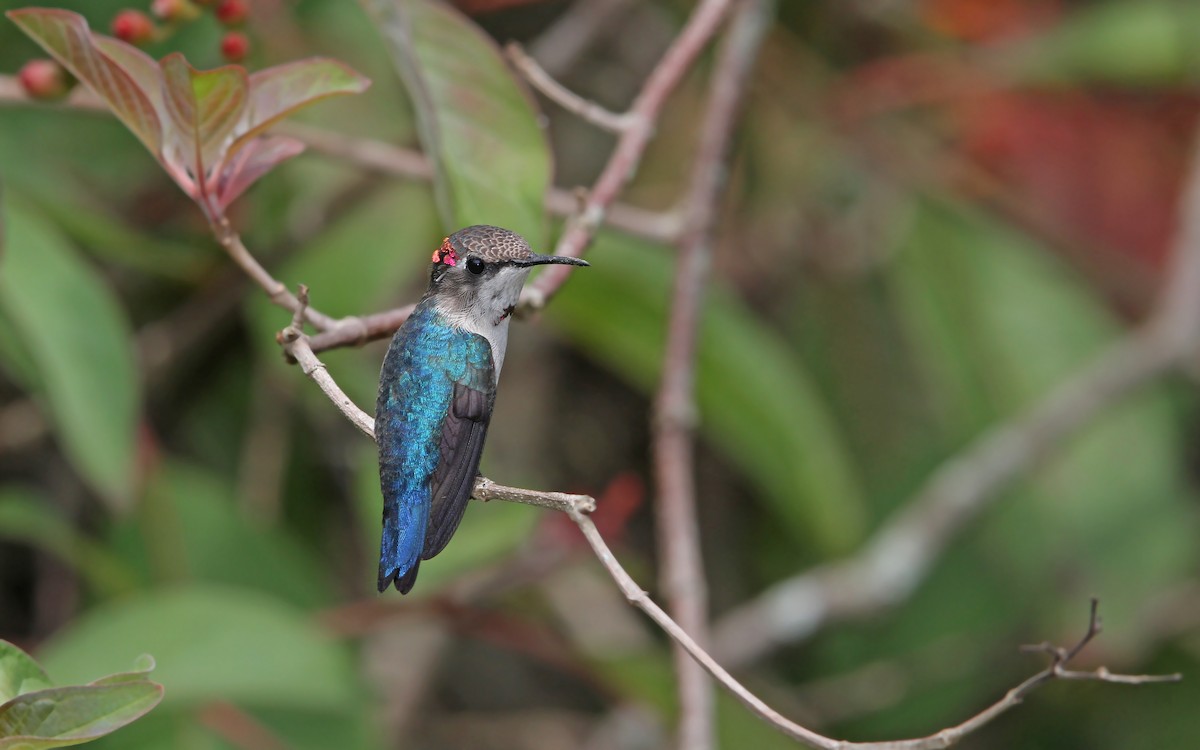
x,y
435,396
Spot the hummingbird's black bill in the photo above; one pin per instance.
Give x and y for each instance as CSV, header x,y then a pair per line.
x,y
542,260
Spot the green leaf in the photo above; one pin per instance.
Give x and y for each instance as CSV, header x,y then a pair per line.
x,y
59,717
66,36
34,715
142,666
204,107
277,92
75,332
477,123
212,643
27,517
19,673
757,402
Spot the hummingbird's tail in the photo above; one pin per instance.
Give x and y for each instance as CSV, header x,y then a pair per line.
x,y
404,520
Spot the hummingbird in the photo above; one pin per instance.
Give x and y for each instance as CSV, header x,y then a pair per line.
x,y
437,387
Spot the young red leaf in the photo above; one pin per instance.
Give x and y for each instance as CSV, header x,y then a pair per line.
x,y
204,107
66,37
277,92
142,68
256,158
196,123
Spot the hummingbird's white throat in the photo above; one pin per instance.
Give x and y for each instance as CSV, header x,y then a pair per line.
x,y
484,307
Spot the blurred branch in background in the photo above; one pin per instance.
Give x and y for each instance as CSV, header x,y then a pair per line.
x,y
586,110
901,553
575,31
640,123
681,573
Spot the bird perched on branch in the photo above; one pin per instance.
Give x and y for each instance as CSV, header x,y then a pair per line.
x,y
436,392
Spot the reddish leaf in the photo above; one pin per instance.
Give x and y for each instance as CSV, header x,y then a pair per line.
x,y
242,169
142,68
277,92
196,123
66,37
204,107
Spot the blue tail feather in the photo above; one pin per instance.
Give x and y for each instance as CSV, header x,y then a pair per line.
x,y
405,517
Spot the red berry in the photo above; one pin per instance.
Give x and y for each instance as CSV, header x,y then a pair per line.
x,y
231,12
44,79
175,11
235,46
133,26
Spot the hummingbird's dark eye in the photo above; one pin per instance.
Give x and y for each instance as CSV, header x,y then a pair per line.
x,y
475,265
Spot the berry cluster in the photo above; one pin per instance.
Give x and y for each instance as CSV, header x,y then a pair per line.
x,y
135,27
47,80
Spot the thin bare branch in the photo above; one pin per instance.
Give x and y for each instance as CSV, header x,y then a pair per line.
x,y
357,330
487,490
682,576
586,109
574,32
295,344
275,290
945,738
898,556
627,154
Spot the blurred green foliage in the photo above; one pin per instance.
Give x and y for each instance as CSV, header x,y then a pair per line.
x,y
169,486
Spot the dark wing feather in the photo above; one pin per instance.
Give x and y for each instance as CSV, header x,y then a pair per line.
x,y
405,582
463,433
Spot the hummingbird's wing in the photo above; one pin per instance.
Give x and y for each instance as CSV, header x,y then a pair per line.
x,y
463,433
436,389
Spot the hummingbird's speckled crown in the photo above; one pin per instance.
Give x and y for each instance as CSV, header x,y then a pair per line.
x,y
489,244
